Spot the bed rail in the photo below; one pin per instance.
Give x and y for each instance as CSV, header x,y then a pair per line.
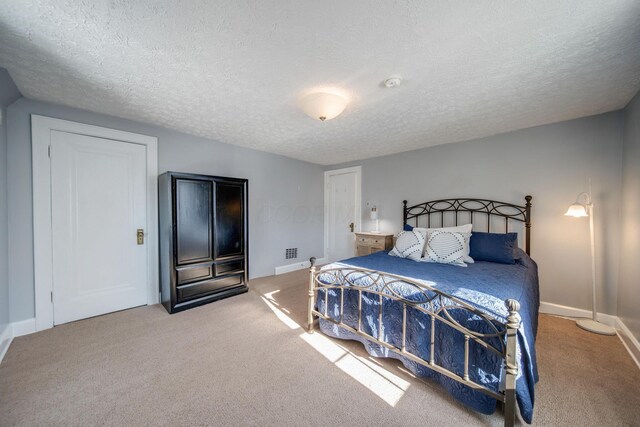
x,y
438,306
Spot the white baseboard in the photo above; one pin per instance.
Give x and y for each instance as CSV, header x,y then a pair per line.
x,y
6,336
297,266
12,330
629,341
566,311
24,327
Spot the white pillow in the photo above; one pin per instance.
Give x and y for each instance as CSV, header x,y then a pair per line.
x,y
457,229
446,247
409,244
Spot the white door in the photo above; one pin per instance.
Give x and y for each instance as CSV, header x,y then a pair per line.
x,y
98,202
343,200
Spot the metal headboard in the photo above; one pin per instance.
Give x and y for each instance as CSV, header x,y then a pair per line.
x,y
488,208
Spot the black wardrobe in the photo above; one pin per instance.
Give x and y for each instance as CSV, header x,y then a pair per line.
x,y
203,239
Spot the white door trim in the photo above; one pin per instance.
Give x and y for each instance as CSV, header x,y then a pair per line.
x,y
41,128
358,171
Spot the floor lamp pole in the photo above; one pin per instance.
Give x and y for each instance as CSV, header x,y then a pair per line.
x,y
592,325
593,262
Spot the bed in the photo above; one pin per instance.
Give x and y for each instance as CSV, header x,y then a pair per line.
x,y
470,329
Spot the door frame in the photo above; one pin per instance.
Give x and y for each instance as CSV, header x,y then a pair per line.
x,y
41,127
327,175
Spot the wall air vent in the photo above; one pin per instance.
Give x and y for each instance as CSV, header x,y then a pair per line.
x,y
291,253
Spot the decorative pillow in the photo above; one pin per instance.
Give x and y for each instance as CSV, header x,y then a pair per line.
x,y
465,229
409,244
494,247
407,227
446,247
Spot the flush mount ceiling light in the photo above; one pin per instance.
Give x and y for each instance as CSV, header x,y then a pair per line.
x,y
323,105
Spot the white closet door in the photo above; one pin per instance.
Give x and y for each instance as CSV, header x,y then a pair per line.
x,y
98,204
342,215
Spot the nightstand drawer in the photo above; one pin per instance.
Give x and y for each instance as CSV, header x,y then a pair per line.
x,y
377,241
362,240
371,241
368,243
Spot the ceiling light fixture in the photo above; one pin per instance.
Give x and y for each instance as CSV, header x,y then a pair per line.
x,y
323,105
393,81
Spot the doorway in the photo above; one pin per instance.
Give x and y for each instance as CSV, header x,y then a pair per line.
x,y
342,211
95,220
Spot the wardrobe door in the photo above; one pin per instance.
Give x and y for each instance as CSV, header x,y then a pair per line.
x,y
194,221
229,219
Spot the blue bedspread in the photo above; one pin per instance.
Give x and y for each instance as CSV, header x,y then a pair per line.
x,y
484,285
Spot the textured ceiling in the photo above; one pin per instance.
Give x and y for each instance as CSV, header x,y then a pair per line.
x,y
233,71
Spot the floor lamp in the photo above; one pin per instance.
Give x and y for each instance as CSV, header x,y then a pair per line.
x,y
578,210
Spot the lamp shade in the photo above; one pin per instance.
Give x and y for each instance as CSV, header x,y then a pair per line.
x,y
374,213
577,210
323,105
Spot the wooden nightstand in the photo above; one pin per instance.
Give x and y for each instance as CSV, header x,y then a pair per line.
x,y
368,243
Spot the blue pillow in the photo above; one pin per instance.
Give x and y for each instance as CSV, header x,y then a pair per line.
x,y
494,247
407,227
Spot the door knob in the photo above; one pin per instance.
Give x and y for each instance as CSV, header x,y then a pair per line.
x,y
140,236
351,227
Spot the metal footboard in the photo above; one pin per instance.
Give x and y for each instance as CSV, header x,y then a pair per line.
x,y
438,306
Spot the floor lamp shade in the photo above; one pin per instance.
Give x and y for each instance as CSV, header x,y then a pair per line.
x,y
577,210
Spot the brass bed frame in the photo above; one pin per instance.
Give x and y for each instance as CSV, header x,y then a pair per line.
x,y
435,303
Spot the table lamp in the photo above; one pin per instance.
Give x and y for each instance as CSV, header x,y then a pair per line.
x,y
374,217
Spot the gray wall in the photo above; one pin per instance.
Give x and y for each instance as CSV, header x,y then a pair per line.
x,y
8,94
629,288
285,195
552,163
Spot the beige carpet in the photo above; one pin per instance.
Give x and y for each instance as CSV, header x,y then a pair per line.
x,y
244,361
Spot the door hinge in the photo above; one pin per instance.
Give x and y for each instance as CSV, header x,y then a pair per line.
x,y
49,151
51,296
